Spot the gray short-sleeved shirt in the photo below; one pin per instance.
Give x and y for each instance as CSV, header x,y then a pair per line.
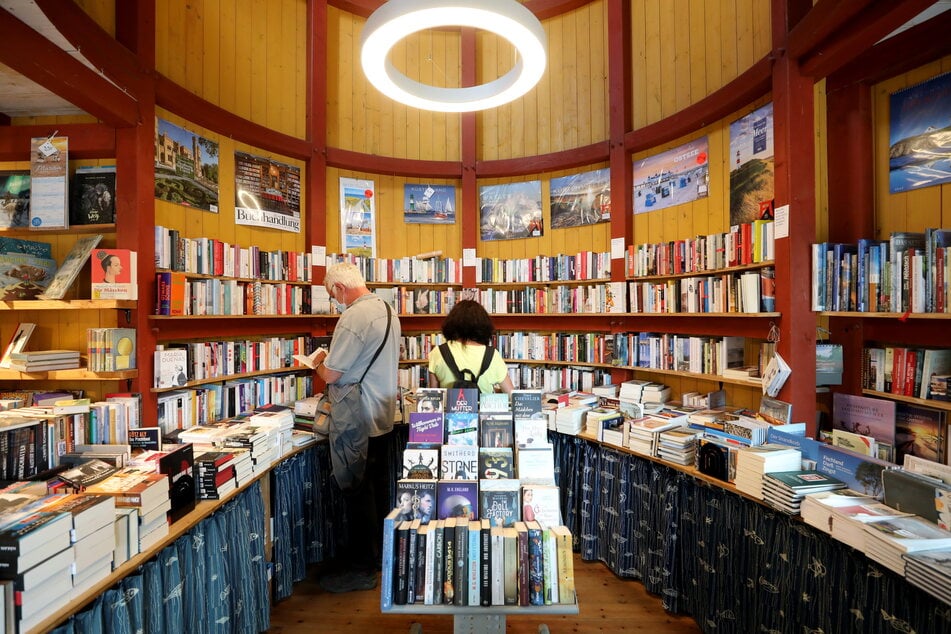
x,y
355,339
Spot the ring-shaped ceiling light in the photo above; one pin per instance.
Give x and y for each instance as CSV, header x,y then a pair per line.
x,y
508,19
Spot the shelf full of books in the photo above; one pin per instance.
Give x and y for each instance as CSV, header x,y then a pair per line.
x,y
478,519
910,373
210,256
908,273
426,268
750,244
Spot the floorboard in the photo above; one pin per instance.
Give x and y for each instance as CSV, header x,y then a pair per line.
x,y
607,603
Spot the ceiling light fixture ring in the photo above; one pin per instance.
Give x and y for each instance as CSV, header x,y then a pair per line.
x,y
508,19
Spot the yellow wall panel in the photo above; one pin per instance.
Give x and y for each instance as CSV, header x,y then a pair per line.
x,y
246,56
102,11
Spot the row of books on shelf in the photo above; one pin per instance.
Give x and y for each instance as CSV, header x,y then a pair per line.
x,y
177,295
200,405
209,256
907,371
177,363
909,272
739,292
36,438
746,243
469,562
421,269
685,353
107,350
606,297
585,265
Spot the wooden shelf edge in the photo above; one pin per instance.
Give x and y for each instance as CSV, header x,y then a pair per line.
x,y
75,374
205,276
674,276
68,304
206,317
229,377
923,402
898,316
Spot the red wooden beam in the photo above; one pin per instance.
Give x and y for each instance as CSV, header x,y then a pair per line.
x,y
543,9
567,159
105,52
909,49
86,140
825,18
36,58
620,95
171,96
751,85
859,36
348,159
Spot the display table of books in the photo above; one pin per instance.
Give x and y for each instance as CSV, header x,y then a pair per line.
x,y
477,529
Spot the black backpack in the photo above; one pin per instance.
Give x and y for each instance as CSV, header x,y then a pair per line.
x,y
465,379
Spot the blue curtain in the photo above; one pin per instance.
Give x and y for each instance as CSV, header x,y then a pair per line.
x,y
733,564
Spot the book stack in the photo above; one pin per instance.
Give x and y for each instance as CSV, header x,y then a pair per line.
x,y
570,420
214,474
930,571
888,539
848,522
147,492
784,490
752,463
816,508
678,445
606,424
35,554
278,422
44,360
643,434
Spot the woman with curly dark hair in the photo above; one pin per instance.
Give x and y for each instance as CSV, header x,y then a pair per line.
x,y
468,332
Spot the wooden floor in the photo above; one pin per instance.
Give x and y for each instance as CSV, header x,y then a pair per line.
x,y
606,604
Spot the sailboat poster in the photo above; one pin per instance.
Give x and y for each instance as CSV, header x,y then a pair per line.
x,y
429,204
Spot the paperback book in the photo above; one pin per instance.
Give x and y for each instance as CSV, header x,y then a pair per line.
x,y
426,427
496,463
499,501
72,265
93,196
462,428
459,462
458,498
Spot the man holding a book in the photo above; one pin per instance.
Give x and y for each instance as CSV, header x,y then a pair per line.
x,y
360,370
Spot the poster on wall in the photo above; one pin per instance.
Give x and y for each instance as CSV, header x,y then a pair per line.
x,y
357,217
918,151
14,198
677,176
429,204
581,199
510,211
266,193
186,167
751,166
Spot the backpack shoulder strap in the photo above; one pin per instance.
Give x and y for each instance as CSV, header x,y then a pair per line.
x,y
449,361
486,360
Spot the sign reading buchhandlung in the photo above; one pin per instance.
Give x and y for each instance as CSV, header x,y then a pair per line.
x,y
266,193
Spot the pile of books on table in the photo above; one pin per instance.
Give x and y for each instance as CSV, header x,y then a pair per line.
x,y
784,490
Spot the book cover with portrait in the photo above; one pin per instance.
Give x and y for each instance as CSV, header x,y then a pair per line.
x,y
114,274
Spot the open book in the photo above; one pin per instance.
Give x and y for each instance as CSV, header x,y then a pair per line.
x,y
309,360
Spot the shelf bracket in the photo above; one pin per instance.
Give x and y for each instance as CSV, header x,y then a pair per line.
x,y
128,315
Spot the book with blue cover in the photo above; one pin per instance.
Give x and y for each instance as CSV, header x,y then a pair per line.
x,y
458,498
860,473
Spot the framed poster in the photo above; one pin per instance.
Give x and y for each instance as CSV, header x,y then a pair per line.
x,y
679,175
357,217
429,204
186,167
510,211
751,165
917,135
266,193
581,199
